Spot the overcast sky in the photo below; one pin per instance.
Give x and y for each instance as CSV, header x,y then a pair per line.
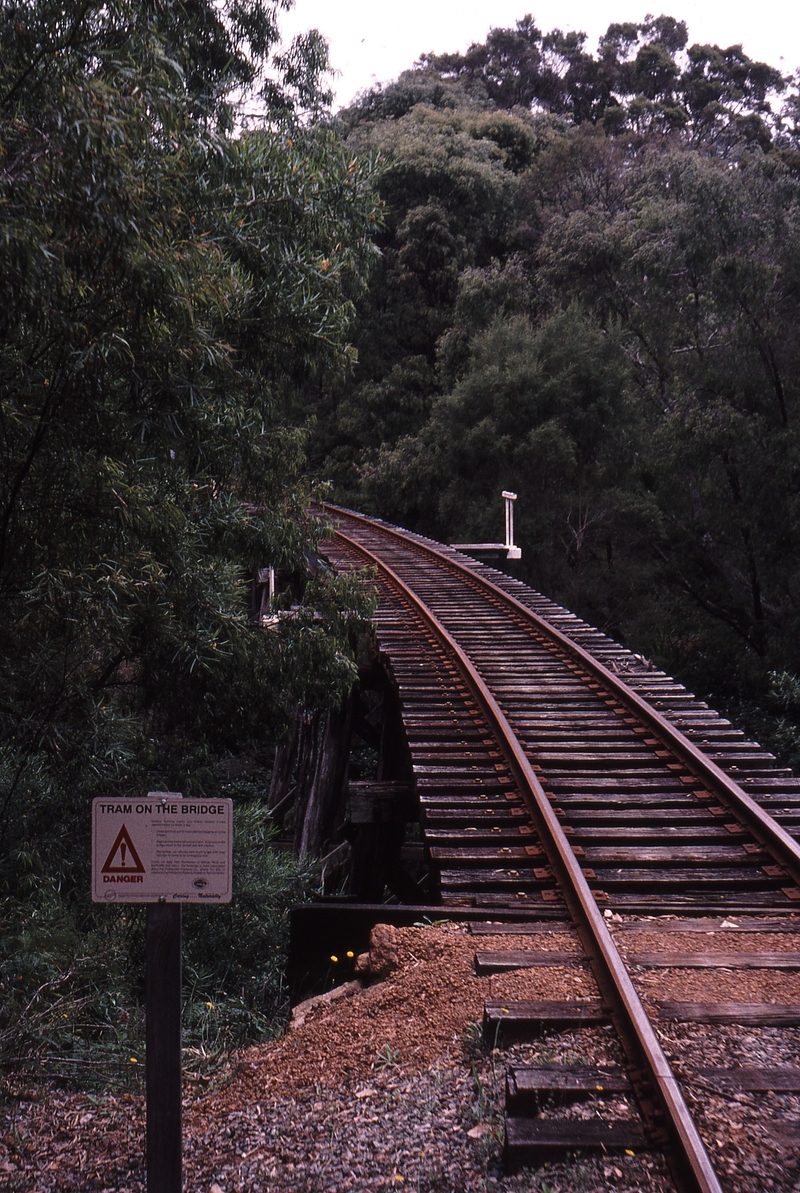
x,y
373,42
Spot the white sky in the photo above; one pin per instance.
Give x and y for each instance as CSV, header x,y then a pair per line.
x,y
373,42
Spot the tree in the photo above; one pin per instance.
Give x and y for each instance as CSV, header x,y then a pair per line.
x,y
449,176
166,278
535,408
696,263
649,214
643,80
511,65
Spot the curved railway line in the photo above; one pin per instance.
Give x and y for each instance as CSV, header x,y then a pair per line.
x,y
558,774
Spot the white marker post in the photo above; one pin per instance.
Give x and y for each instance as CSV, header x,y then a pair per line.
x,y
162,851
512,551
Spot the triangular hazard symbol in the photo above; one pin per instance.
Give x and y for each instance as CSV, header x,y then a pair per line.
x,y
123,857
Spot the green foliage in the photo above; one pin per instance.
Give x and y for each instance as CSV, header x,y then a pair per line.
x,y
588,294
71,976
235,954
643,80
511,65
450,173
68,1005
392,100
164,282
172,268
386,1059
696,262
531,411
773,716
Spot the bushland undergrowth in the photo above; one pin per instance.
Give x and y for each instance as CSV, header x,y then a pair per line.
x,y
72,974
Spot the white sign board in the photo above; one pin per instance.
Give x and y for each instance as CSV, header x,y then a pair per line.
x,y
162,847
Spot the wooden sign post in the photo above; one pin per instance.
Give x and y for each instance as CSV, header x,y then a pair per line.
x,y
162,851
163,1043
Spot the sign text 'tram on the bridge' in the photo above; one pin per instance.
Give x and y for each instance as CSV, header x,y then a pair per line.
x,y
162,848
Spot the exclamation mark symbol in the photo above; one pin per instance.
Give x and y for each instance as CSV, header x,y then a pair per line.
x,y
123,855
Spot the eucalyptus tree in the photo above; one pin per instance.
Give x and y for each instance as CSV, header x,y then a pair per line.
x,y
169,270
645,78
694,262
451,165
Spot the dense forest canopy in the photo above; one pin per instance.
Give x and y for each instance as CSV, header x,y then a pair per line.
x,y
168,272
588,293
164,278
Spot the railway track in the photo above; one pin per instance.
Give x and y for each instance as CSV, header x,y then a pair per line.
x,y
559,774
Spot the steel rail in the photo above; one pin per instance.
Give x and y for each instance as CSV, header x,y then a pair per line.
x,y
687,1156
763,827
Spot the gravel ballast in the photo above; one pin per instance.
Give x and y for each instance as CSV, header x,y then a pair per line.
x,y
391,1086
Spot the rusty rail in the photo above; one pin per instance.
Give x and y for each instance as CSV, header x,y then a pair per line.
x,y
687,1154
763,827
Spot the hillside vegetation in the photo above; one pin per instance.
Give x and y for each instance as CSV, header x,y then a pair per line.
x,y
169,270
589,293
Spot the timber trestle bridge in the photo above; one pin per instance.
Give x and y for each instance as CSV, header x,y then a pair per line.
x,y
561,780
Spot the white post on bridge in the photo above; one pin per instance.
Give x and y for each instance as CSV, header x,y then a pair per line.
x,y
494,552
513,552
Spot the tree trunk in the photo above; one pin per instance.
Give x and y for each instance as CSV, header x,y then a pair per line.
x,y
320,789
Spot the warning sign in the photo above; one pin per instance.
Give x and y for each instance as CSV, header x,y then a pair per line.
x,y
123,858
162,847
